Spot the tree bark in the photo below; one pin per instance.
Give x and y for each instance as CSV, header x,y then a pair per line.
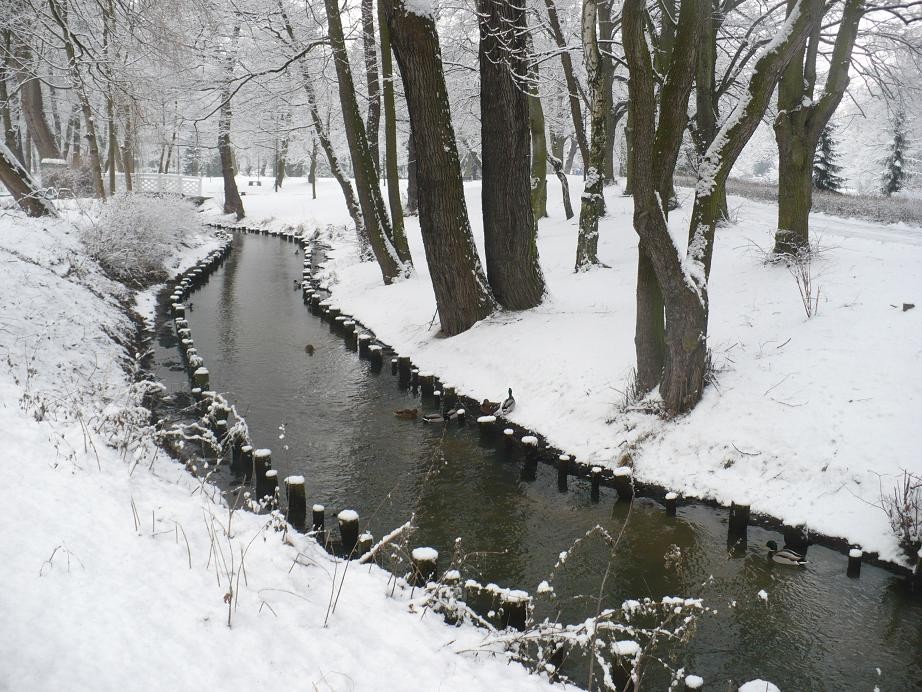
x,y
800,122
592,206
509,226
10,132
412,185
538,157
233,204
390,138
377,223
17,180
371,77
564,184
32,102
461,290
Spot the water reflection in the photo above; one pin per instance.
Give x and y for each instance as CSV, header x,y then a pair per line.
x,y
818,629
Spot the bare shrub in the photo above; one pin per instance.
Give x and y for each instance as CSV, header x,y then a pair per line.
x,y
800,265
903,507
134,234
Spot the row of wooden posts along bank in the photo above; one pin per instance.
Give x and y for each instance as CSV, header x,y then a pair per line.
x,y
255,464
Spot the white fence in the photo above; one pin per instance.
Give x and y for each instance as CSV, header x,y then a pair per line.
x,y
170,183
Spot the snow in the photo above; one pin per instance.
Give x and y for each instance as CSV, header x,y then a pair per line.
x,y
672,496
425,554
626,648
486,419
855,553
348,515
806,411
693,682
294,480
758,686
111,582
763,595
318,508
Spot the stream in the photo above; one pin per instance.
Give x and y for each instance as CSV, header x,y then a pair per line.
x,y
329,417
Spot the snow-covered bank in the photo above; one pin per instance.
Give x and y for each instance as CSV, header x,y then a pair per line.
x,y
116,562
811,419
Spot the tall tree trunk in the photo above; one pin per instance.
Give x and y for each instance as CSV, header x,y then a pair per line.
x,y
800,122
281,158
557,165
706,98
684,280
10,132
321,132
233,204
390,137
509,226
461,290
412,185
576,112
571,156
32,102
607,30
371,77
128,149
312,174
377,223
17,180
592,206
538,157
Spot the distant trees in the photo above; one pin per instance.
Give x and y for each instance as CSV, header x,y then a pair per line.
x,y
825,169
894,174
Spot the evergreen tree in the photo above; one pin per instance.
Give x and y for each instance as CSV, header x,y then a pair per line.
x,y
825,169
894,174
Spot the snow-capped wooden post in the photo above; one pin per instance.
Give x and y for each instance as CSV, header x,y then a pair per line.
x,y
297,501
376,357
426,381
437,398
393,366
403,370
200,378
351,336
623,479
318,518
449,396
739,520
425,564
462,415
672,501
348,530
271,481
332,313
364,341
508,440
514,609
530,467
339,324
854,562
364,544
486,424
179,310
595,479
246,462
414,378
563,464
693,683
262,462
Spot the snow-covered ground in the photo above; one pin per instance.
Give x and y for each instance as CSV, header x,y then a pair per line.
x,y
811,419
116,562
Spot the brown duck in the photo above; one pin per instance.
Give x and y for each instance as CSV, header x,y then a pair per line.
x,y
407,413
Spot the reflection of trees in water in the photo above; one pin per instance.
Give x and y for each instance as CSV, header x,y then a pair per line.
x,y
227,317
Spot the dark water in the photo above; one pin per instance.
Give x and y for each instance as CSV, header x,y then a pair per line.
x,y
819,630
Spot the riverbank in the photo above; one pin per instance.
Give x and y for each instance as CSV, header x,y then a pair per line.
x,y
811,420
117,562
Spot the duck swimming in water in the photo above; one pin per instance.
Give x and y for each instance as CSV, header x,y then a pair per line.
x,y
309,349
407,413
785,556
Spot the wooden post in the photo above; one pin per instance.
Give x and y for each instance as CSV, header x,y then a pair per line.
x,y
672,501
414,378
339,324
514,608
403,370
364,341
262,462
271,485
854,562
393,366
366,540
179,310
297,501
797,538
348,531
509,439
317,518
623,478
425,383
739,520
530,467
449,397
376,357
462,417
437,397
425,565
563,463
595,475
486,425
200,378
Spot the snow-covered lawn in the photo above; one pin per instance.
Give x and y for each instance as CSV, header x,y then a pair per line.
x,y
116,562
811,418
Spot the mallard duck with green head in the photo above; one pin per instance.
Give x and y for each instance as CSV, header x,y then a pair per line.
x,y
785,556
